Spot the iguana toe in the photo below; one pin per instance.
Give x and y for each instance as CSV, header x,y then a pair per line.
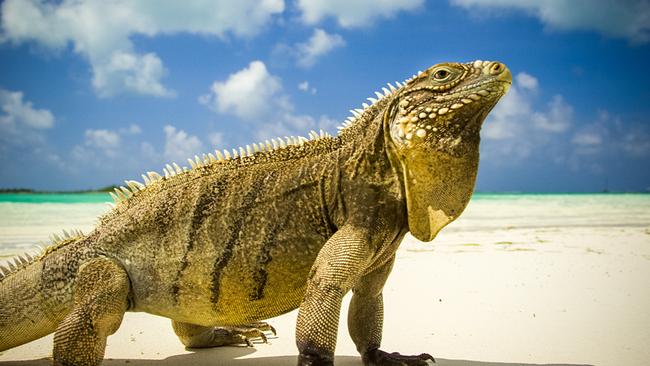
x,y
247,333
262,326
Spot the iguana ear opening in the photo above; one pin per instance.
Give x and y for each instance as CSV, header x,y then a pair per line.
x,y
438,187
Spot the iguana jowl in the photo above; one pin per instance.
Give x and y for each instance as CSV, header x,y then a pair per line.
x,y
298,223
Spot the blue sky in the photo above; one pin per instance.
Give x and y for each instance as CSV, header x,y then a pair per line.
x,y
95,92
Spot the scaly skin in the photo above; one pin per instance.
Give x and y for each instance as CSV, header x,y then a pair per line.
x,y
230,242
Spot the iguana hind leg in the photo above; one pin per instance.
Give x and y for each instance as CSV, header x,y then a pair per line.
x,y
196,336
100,300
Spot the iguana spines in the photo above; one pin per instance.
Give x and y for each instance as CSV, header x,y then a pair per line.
x,y
261,151
23,260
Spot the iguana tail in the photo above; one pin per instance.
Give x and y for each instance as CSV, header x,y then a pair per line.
x,y
36,292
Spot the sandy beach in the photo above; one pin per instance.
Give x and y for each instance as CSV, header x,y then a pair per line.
x,y
528,280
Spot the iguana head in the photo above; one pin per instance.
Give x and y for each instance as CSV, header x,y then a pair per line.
x,y
434,124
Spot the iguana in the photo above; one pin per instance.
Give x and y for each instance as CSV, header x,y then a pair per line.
x,y
238,238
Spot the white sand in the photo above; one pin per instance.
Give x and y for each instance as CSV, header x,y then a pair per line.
x,y
514,282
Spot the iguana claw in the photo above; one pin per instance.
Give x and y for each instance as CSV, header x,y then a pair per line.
x,y
246,333
378,357
262,326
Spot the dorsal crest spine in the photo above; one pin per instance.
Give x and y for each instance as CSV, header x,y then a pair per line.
x,y
122,194
23,260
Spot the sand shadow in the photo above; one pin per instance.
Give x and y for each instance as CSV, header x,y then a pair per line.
x,y
231,356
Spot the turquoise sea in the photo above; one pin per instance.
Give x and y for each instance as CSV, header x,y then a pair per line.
x,y
27,220
55,197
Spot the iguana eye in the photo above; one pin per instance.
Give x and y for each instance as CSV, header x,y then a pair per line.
x,y
441,75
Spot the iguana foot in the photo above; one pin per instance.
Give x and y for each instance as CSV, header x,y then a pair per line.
x,y
196,336
378,357
261,326
247,333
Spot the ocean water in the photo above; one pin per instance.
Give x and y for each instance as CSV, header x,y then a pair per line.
x,y
27,220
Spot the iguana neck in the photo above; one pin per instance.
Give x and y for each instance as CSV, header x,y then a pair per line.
x,y
367,166
439,181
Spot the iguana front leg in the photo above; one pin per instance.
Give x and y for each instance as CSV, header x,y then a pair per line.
x,y
338,266
365,321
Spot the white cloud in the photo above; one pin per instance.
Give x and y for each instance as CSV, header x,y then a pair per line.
x,y
318,44
354,13
101,148
255,95
516,132
636,143
327,124
515,129
514,116
291,125
179,146
609,135
248,94
17,112
107,148
148,151
22,126
133,129
505,121
618,18
126,71
215,138
304,86
103,152
107,141
607,138
527,81
557,119
103,139
587,138
82,154
101,32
